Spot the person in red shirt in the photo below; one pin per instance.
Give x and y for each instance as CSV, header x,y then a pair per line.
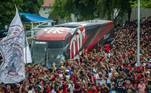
x,y
48,89
77,88
102,59
107,48
74,77
90,90
129,67
65,87
99,48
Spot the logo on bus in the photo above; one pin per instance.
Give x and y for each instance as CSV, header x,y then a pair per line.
x,y
76,42
55,30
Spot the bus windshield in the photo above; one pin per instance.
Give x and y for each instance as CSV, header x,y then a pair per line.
x,y
46,53
56,44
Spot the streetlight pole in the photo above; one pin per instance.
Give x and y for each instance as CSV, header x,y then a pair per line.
x,y
138,32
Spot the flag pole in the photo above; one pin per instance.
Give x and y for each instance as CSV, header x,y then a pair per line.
x,y
25,47
25,54
138,33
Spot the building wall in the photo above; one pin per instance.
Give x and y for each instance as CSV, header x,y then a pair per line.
x,y
144,12
44,11
46,8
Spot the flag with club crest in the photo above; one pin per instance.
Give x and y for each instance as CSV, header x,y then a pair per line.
x,y
12,66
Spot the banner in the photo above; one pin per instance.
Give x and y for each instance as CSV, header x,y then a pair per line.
x,y
12,68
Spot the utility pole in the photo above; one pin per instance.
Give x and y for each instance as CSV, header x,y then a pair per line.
x,y
138,33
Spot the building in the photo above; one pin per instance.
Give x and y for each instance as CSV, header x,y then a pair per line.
x,y
46,8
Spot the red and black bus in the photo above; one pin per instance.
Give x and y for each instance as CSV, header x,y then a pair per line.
x,y
66,41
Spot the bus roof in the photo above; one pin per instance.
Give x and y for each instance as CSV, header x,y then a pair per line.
x,y
53,33
84,23
59,32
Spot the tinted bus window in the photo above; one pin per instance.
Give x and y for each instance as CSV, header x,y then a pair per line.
x,y
56,44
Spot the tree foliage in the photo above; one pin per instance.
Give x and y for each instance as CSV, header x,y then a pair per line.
x,y
144,3
31,6
84,9
57,10
7,9
89,9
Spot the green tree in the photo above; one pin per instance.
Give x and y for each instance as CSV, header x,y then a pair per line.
x,y
58,11
107,8
31,6
116,10
7,9
83,9
144,3
88,9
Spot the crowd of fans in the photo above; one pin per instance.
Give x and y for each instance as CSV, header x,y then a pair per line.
x,y
108,69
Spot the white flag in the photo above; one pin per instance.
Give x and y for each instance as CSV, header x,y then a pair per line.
x,y
12,69
27,54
